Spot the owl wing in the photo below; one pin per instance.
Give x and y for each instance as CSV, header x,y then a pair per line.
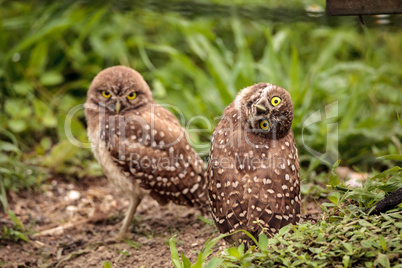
x,y
151,148
273,188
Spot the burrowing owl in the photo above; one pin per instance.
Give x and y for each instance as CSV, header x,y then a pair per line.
x,y
140,145
253,165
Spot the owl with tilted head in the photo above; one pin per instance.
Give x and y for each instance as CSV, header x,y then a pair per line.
x,y
253,167
140,145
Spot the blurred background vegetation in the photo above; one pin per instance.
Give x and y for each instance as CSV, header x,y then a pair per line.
x,y
195,55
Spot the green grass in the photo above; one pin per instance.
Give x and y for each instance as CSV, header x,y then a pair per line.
x,y
198,62
16,232
344,236
334,241
15,174
199,67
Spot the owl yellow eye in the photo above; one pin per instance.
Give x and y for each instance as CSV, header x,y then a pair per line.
x,y
275,101
264,125
106,94
132,96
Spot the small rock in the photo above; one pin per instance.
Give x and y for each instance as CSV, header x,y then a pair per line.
x,y
72,210
72,195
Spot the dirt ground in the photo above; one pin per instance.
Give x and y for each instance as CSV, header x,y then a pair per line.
x,y
73,225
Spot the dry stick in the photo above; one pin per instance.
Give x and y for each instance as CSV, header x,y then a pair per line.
x,y
389,202
60,229
97,216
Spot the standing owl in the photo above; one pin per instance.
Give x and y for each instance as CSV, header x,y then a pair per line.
x,y
141,146
253,166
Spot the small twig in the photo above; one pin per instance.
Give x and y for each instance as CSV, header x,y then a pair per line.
x,y
398,212
95,217
60,229
36,244
351,223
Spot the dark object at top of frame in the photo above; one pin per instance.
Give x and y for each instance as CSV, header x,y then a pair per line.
x,y
363,7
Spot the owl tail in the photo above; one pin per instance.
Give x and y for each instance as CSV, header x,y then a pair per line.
x,y
241,238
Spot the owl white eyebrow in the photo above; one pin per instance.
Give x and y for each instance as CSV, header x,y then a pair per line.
x,y
238,99
267,89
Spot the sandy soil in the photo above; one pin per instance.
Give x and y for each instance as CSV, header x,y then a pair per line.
x,y
73,225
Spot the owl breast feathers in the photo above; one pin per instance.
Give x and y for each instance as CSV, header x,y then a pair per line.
x,y
253,166
140,145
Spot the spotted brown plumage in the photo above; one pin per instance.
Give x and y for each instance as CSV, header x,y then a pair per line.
x,y
253,167
140,145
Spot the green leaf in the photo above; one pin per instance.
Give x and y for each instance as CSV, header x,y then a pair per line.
x,y
396,157
284,230
366,243
334,197
38,57
315,250
20,235
107,264
328,204
174,253
383,243
346,261
263,240
17,125
214,262
333,178
49,120
233,252
186,261
392,184
16,221
199,262
9,147
365,223
240,249
386,172
51,78
60,153
23,87
348,247
383,260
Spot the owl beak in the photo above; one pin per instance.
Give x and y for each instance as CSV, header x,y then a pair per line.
x,y
117,107
260,108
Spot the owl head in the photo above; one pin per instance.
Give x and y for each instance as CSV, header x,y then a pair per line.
x,y
269,110
118,89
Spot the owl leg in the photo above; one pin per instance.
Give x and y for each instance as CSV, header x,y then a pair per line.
x,y
134,202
